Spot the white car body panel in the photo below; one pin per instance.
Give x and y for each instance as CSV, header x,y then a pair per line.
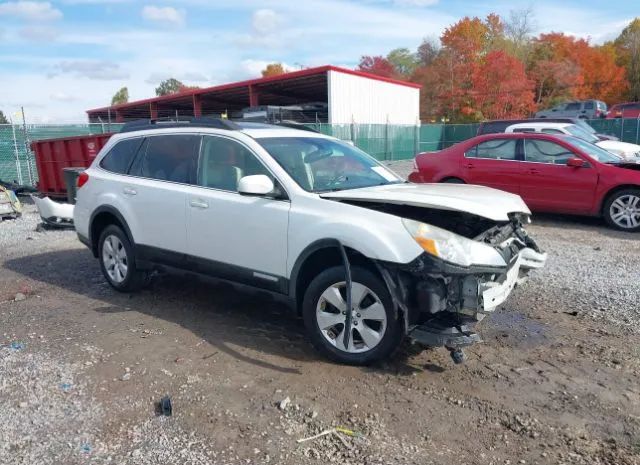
x,y
250,232
478,200
623,149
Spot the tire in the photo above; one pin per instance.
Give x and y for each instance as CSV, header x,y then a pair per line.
x,y
453,181
115,245
384,330
621,210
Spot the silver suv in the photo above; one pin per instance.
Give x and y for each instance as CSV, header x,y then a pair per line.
x,y
585,109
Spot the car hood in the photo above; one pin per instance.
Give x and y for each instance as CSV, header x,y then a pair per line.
x,y
619,147
477,200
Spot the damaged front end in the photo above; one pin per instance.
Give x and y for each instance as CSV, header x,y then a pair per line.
x,y
465,272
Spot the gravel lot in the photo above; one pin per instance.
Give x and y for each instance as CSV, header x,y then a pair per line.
x,y
81,367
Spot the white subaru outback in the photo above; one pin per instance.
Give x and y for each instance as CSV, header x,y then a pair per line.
x,y
363,256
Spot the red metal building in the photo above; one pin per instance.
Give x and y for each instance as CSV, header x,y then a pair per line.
x,y
350,96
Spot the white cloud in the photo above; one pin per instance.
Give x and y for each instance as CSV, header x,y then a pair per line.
x,y
165,15
30,11
38,33
100,70
265,21
63,97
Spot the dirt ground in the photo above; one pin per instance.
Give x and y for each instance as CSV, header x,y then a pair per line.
x,y
81,367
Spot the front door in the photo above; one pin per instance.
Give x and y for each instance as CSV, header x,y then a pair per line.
x,y
493,163
548,184
230,235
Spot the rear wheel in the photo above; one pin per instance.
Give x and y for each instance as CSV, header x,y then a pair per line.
x,y
117,261
622,210
375,332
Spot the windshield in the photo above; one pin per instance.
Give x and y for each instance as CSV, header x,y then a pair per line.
x,y
584,125
594,151
322,165
581,133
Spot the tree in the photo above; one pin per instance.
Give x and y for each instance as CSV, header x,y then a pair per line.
x,y
518,29
169,86
403,61
122,96
428,51
628,49
3,119
378,65
273,69
501,88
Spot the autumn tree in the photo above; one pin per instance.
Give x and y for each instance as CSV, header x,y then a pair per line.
x,y
122,96
169,86
273,69
501,88
517,30
378,65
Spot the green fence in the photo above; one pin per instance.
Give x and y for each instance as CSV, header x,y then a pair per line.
x,y
17,162
383,141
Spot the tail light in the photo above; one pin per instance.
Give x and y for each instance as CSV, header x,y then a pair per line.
x,y
82,179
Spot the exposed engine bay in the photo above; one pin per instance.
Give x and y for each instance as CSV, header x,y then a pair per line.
x,y
442,301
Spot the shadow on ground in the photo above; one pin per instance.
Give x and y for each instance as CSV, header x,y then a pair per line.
x,y
220,313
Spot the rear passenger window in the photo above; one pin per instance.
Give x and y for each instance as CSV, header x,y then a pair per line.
x,y
499,149
572,106
169,158
120,156
542,151
588,105
524,130
551,131
223,162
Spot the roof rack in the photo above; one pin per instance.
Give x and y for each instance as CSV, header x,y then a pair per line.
x,y
161,123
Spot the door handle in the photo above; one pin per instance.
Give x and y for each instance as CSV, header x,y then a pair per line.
x,y
129,191
470,165
534,171
198,204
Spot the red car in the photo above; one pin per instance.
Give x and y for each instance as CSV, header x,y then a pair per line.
x,y
560,174
624,110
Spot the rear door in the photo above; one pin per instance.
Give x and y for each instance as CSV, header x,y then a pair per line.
x,y
165,166
494,163
572,109
548,184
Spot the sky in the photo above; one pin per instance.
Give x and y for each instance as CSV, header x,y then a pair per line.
x,y
59,58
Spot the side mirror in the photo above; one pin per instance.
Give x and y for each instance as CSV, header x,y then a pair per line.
x,y
576,162
256,185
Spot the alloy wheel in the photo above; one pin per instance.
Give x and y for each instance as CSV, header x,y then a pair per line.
x,y
368,323
625,211
114,258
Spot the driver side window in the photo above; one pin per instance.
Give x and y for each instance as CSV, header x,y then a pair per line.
x,y
543,151
223,162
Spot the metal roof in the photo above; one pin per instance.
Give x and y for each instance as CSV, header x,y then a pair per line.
x,y
283,89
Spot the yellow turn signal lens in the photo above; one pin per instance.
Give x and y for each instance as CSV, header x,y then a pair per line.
x,y
429,245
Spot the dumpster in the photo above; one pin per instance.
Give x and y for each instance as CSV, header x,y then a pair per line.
x,y
54,155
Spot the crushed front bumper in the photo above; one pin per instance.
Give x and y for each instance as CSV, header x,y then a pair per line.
x,y
442,302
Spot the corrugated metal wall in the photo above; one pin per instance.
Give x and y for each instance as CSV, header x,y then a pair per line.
x,y
356,99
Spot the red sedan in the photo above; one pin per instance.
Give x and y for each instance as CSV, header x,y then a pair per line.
x,y
560,174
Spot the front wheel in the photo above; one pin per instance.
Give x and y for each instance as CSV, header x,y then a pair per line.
x,y
375,332
622,210
117,261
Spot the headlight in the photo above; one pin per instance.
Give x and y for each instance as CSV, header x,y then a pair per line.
x,y
452,247
4,197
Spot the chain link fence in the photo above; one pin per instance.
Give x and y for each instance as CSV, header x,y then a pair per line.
x,y
383,141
